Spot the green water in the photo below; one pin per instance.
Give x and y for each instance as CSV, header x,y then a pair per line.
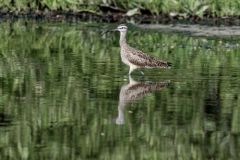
x,y
65,94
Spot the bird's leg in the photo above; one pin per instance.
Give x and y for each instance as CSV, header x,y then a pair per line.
x,y
142,73
131,80
130,70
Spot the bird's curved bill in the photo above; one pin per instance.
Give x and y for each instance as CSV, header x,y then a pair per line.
x,y
112,30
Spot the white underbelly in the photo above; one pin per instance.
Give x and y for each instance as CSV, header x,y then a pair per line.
x,y
124,60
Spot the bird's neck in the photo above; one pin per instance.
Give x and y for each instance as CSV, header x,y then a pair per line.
x,y
122,40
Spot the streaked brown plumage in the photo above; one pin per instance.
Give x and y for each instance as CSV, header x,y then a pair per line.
x,y
135,58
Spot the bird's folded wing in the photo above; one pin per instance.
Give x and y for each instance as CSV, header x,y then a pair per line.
x,y
141,59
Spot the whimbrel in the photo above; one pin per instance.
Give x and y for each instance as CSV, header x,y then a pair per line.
x,y
135,58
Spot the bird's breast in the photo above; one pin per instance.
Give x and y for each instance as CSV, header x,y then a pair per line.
x,y
124,57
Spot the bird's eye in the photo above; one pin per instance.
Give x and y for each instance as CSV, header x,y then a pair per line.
x,y
121,28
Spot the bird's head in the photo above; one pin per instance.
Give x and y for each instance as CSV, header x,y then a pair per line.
x,y
122,28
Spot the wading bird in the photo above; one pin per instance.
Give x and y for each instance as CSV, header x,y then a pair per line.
x,y
135,58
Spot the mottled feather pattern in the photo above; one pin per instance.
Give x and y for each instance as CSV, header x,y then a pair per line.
x,y
135,58
141,59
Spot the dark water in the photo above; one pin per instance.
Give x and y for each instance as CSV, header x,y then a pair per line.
x,y
65,94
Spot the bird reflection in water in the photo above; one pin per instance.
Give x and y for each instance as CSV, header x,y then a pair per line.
x,y
134,91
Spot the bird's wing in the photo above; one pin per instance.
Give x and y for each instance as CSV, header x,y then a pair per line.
x,y
141,59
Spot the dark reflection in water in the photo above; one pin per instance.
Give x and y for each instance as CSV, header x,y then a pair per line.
x,y
60,85
5,120
133,91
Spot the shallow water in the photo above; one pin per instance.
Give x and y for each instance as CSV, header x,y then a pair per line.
x,y
65,94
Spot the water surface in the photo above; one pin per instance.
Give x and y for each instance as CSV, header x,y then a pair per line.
x,y
65,94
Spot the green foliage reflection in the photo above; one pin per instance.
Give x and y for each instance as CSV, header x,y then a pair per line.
x,y
60,85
